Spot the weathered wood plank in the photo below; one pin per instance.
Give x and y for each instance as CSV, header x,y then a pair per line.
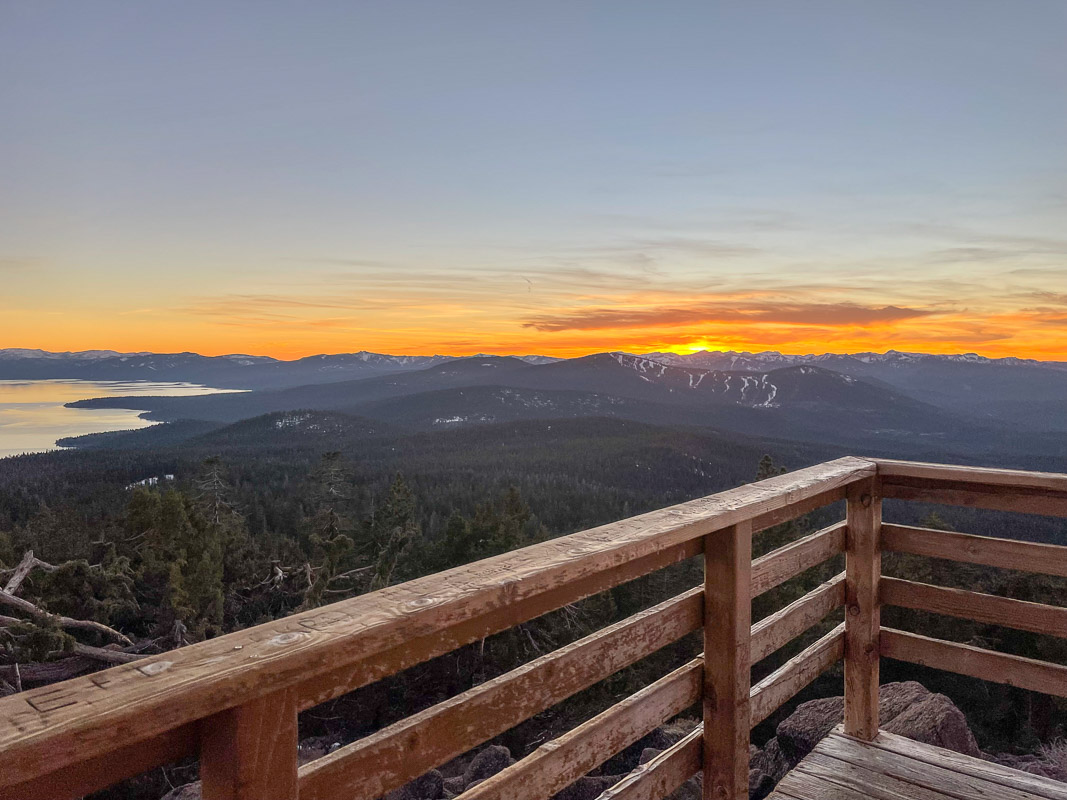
x,y
774,690
919,773
794,510
388,759
820,777
975,767
781,627
1044,559
341,680
787,562
727,667
987,665
988,608
78,780
662,775
557,764
998,498
863,571
249,752
1012,479
81,718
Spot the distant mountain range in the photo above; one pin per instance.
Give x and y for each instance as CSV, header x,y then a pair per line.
x,y
861,401
225,372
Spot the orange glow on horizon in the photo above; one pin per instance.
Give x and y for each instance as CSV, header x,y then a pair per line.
x,y
290,327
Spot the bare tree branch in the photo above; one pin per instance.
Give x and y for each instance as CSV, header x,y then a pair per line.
x,y
29,561
26,607
107,655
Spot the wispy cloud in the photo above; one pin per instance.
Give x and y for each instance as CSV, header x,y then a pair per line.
x,y
819,314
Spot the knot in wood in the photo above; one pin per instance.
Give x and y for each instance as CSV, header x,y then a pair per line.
x,y
866,500
287,638
854,610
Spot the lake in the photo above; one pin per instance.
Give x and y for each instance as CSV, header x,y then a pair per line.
x,y
33,417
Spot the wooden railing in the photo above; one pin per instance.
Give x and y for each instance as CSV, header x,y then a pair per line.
x,y
234,700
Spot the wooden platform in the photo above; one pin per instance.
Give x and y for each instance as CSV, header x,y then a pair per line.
x,y
894,768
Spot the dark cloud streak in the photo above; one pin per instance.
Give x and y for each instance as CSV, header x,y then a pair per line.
x,y
817,314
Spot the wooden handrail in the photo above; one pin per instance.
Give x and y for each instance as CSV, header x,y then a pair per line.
x,y
557,764
976,662
401,752
997,489
863,570
1044,559
337,648
769,694
787,562
788,623
663,774
991,609
235,699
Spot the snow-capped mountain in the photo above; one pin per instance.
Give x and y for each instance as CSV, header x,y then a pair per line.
x,y
770,359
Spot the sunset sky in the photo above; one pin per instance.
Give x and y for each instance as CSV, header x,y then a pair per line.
x,y
288,178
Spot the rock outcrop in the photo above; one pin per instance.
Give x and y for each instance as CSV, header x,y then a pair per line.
x,y
907,709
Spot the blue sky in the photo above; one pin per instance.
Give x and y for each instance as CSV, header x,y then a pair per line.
x,y
412,176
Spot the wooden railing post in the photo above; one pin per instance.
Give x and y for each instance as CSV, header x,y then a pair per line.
x,y
863,570
249,752
727,666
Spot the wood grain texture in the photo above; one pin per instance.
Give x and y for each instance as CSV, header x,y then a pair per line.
x,y
987,608
662,775
401,752
769,519
787,562
964,659
781,627
863,570
1012,479
976,767
727,666
997,498
249,752
555,765
893,768
820,777
338,647
1044,559
782,684
915,772
78,780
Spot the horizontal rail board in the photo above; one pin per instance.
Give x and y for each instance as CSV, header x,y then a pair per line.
x,y
783,626
416,650
388,759
75,781
987,608
976,662
777,688
82,718
663,774
997,498
1010,479
1044,559
794,510
787,562
557,764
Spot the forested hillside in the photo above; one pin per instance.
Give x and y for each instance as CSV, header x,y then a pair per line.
x,y
251,522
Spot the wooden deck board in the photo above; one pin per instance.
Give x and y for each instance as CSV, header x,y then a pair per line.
x,y
894,768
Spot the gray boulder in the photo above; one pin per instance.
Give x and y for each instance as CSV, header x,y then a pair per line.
x,y
487,763
429,786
